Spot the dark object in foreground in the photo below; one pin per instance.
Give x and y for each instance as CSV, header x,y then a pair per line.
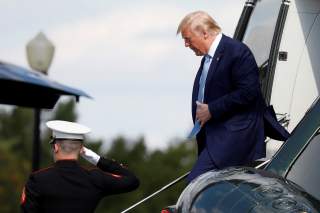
x,y
27,88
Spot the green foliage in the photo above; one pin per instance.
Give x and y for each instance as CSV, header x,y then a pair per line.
x,y
15,155
16,130
12,170
65,111
154,168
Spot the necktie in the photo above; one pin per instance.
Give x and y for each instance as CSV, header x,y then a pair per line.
x,y
202,83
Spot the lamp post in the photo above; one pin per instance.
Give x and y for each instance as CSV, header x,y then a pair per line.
x,y
40,53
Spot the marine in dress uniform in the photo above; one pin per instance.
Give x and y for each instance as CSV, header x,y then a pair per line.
x,y
68,187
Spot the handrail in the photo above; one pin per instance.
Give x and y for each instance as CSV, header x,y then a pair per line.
x,y
157,192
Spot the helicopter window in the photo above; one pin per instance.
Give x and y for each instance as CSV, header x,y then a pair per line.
x,y
261,27
305,171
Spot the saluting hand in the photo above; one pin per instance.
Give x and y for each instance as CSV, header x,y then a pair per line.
x,y
89,155
202,114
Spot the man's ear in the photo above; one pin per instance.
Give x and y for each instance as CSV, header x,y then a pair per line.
x,y
205,34
81,148
55,148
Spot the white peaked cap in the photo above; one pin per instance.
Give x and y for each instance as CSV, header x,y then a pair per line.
x,y
67,130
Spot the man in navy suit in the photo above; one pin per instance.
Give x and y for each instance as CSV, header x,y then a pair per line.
x,y
227,103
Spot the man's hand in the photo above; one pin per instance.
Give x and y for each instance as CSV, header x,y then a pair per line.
x,y
89,155
202,113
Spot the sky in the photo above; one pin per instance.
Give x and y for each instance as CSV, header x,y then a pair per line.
x,y
125,54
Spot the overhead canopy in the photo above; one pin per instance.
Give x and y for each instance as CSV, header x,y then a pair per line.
x,y
23,87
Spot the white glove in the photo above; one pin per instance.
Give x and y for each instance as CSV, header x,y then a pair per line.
x,y
90,155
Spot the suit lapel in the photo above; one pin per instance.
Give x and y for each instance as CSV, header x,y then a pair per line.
x,y
215,63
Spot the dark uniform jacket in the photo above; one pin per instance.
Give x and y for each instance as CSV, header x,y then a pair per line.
x,y
68,187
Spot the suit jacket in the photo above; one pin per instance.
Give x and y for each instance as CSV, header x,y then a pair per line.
x,y
68,187
235,134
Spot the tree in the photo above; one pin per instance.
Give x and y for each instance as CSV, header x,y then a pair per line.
x,y
15,155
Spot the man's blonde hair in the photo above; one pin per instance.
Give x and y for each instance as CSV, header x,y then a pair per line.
x,y
199,21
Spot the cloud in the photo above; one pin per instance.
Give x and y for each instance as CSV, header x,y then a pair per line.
x,y
116,31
